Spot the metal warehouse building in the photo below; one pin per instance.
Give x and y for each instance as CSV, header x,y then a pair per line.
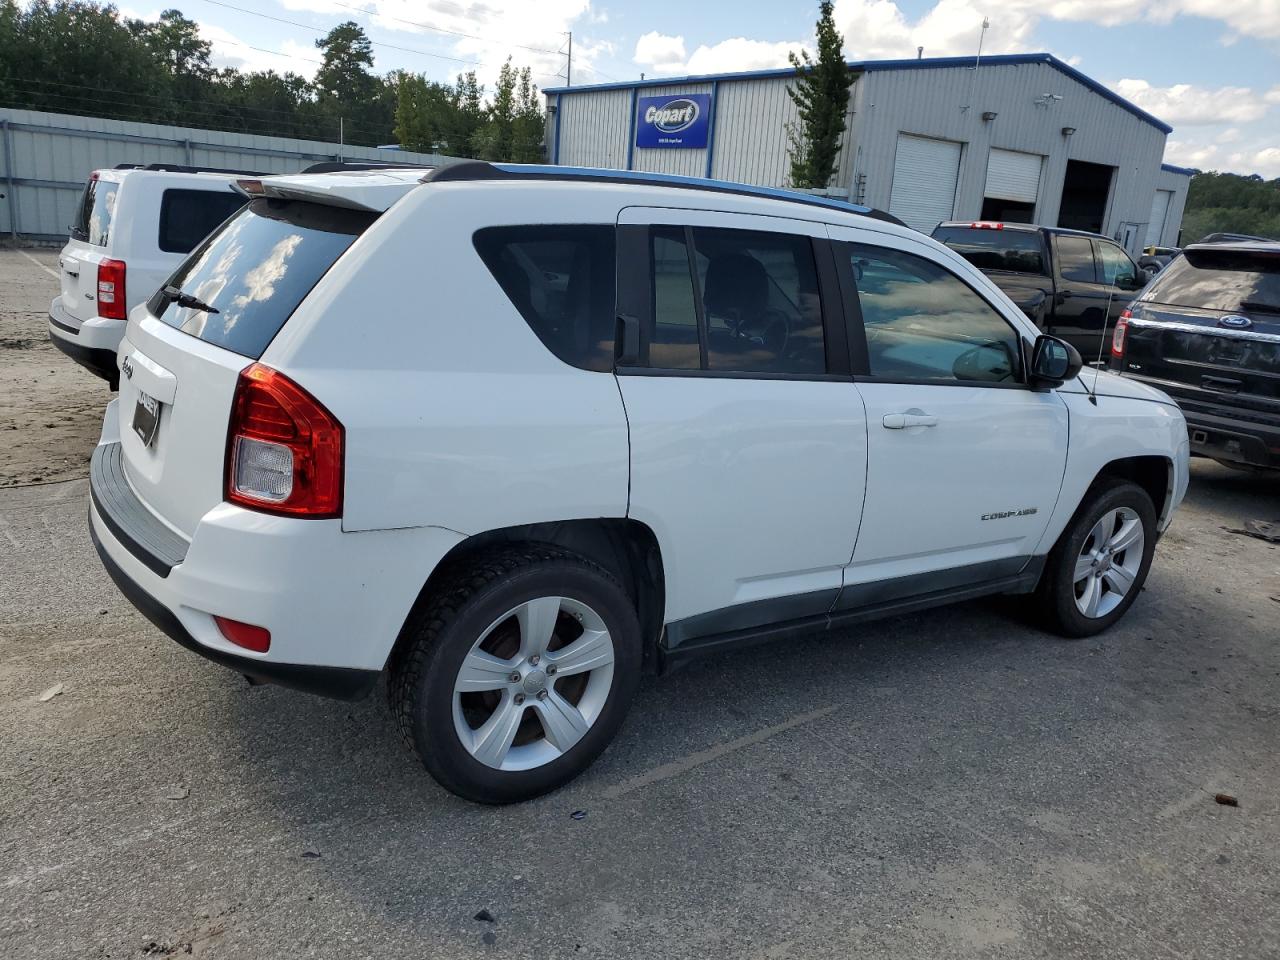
x,y
1018,138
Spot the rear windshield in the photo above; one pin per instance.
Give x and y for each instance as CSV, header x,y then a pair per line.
x,y
188,216
97,207
1226,280
1015,250
254,270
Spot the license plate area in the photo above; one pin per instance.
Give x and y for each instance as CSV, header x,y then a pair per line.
x,y
146,418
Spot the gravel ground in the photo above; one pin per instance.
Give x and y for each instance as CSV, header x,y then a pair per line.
x,y
949,784
50,408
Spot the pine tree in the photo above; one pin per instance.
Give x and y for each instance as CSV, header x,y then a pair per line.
x,y
821,96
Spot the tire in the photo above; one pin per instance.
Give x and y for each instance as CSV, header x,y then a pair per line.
x,y
1061,600
482,618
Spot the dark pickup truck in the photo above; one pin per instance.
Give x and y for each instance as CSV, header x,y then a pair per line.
x,y
1207,332
1073,285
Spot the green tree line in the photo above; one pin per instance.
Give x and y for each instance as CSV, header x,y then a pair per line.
x,y
85,58
1231,203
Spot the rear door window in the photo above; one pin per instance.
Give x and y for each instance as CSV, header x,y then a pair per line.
x,y
240,286
750,304
1075,259
561,279
96,212
1018,251
188,216
1232,281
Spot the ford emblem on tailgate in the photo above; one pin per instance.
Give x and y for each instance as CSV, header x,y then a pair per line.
x,y
1235,321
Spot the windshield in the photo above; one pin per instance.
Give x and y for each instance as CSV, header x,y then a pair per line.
x,y
1015,250
1226,280
97,208
255,270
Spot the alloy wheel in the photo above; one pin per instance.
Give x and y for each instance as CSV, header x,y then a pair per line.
x,y
1108,564
533,684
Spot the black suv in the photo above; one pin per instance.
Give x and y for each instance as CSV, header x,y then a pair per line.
x,y
1207,332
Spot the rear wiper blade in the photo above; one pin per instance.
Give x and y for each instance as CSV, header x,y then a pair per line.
x,y
1259,306
174,295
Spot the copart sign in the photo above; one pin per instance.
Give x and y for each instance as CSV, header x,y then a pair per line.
x,y
675,121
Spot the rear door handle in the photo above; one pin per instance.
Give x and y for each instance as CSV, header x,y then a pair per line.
x,y
900,421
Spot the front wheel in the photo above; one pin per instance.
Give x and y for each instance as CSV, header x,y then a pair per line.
x,y
1100,562
516,676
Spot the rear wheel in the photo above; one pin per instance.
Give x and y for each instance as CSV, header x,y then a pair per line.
x,y
516,676
1100,563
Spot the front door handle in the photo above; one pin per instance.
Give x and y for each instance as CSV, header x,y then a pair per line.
x,y
900,421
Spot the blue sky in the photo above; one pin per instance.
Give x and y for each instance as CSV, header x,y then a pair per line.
x,y
1210,68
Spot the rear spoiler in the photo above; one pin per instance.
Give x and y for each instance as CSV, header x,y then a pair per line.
x,y
369,196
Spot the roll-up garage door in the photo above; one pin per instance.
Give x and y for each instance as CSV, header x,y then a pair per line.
x,y
924,181
1159,211
1012,175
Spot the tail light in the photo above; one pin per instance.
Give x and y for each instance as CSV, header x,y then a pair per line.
x,y
257,639
284,449
1117,338
111,303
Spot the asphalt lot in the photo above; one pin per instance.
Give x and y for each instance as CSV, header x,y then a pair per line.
x,y
950,784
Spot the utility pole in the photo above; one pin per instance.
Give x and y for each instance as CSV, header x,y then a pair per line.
x,y
341,138
986,24
568,69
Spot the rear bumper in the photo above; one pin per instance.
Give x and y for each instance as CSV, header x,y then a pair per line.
x,y
1224,437
91,343
337,682
1221,431
333,602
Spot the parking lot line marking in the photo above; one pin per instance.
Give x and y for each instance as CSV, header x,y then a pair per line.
x,y
52,273
693,760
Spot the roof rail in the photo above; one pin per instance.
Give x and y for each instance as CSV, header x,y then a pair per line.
x,y
341,166
481,170
182,168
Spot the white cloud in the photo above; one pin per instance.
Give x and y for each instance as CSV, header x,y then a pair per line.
x,y
740,53
228,50
666,55
486,32
1187,105
661,53
879,28
1256,158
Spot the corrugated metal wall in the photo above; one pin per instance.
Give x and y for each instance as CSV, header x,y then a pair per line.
x,y
748,137
45,159
1179,183
751,134
594,127
932,102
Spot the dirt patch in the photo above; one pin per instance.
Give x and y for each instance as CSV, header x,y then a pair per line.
x,y
50,408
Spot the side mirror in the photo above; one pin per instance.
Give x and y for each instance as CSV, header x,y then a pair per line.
x,y
1053,362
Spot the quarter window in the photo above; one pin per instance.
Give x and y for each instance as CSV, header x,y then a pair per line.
x,y
561,279
1075,259
188,216
924,323
97,210
751,303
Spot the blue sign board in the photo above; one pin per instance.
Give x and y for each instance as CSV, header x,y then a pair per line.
x,y
674,121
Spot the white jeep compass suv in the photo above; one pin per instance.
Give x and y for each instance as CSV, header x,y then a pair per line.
x,y
513,435
133,226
